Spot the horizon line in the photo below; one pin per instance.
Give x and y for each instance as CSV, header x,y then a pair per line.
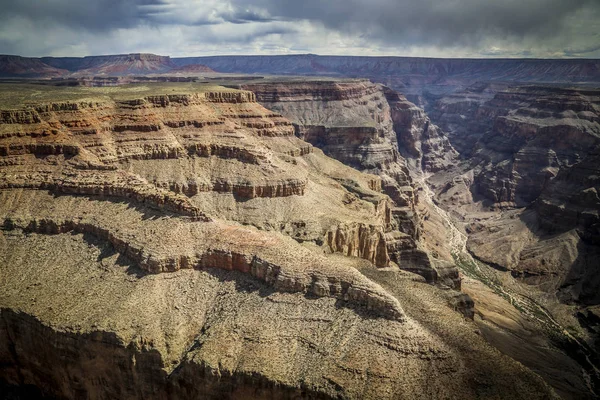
x,y
317,55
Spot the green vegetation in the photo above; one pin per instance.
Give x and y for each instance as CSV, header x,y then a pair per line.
x,y
525,305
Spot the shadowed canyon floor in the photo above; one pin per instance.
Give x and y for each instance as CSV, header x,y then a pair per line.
x,y
179,241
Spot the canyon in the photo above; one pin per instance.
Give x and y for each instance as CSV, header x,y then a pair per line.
x,y
166,233
499,200
532,152
188,234
356,122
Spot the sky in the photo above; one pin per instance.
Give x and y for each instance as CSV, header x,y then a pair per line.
x,y
424,28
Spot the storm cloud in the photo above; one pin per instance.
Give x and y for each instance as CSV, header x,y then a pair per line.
x,y
463,28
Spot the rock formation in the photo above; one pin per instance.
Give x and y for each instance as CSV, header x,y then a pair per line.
x,y
17,66
536,147
526,191
422,80
192,69
113,65
178,241
370,127
100,66
420,141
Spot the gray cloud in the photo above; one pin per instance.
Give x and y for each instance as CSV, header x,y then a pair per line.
x,y
242,16
97,16
433,21
530,28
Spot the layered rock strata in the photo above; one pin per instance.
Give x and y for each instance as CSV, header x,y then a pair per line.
x,y
420,141
375,130
421,79
528,190
145,150
189,245
520,136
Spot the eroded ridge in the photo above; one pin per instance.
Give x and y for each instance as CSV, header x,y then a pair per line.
x,y
376,130
168,245
198,159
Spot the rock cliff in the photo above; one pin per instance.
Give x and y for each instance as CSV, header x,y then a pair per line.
x,y
17,66
100,66
178,241
535,147
526,191
113,65
375,130
420,141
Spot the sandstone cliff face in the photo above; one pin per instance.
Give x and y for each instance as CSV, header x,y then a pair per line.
x,y
419,140
375,130
146,150
533,147
188,245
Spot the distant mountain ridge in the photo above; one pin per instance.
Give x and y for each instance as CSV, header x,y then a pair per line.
x,y
17,66
571,70
121,64
107,65
524,69
422,80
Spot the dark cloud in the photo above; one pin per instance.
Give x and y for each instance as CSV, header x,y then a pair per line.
x,y
435,22
97,15
457,27
582,51
242,16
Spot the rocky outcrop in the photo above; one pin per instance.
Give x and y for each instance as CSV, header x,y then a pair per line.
x,y
373,129
362,241
200,249
419,140
533,147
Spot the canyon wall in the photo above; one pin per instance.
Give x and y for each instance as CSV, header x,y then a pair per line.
x,y
185,243
533,148
422,80
375,130
419,78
